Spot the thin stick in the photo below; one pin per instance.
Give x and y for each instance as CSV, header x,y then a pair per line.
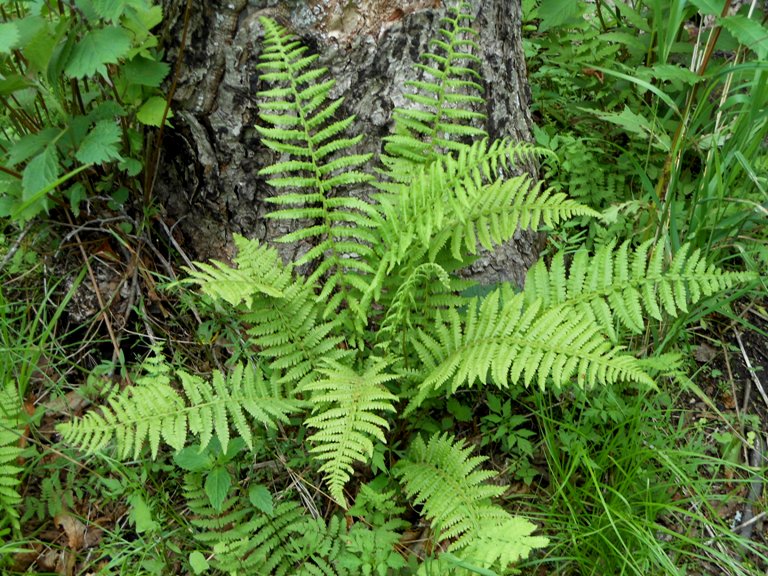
x,y
752,371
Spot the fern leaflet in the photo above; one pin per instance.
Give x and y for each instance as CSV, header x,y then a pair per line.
x,y
506,339
281,309
445,99
454,492
305,130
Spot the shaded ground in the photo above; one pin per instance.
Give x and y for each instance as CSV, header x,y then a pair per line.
x,y
84,514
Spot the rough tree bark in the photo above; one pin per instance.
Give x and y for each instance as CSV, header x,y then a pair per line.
x,y
208,180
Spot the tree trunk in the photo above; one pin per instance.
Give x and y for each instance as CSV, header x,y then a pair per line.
x,y
208,177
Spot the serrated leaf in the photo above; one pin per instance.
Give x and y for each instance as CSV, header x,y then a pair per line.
x,y
191,459
748,32
151,112
30,144
145,72
217,486
101,144
9,37
97,49
109,9
709,7
41,171
261,498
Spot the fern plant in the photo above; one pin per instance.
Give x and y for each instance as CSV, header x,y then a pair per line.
x,y
372,322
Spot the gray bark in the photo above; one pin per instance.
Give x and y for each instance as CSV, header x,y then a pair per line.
x,y
208,181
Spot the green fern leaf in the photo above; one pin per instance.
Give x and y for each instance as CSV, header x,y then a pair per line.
x,y
623,286
153,411
10,451
503,339
346,406
260,271
319,163
445,97
454,492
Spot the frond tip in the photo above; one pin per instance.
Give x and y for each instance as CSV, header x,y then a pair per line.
x,y
446,480
346,418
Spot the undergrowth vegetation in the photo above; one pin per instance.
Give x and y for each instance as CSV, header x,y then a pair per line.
x,y
367,409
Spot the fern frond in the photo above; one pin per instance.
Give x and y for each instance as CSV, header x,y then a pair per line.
x,y
319,162
281,309
345,416
454,492
244,540
291,335
447,97
505,340
412,300
152,410
259,270
10,451
442,477
464,201
628,285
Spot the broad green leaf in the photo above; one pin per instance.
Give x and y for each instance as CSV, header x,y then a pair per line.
x,y
749,32
27,146
555,13
98,48
191,459
101,144
709,7
140,20
151,112
145,71
41,171
261,498
217,486
9,37
109,9
12,82
198,563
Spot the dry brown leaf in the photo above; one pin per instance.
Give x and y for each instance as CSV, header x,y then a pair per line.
x,y
79,535
704,353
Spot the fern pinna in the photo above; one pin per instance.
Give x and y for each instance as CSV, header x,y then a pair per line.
x,y
381,324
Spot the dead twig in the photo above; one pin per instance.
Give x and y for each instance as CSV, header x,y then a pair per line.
x,y
752,371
